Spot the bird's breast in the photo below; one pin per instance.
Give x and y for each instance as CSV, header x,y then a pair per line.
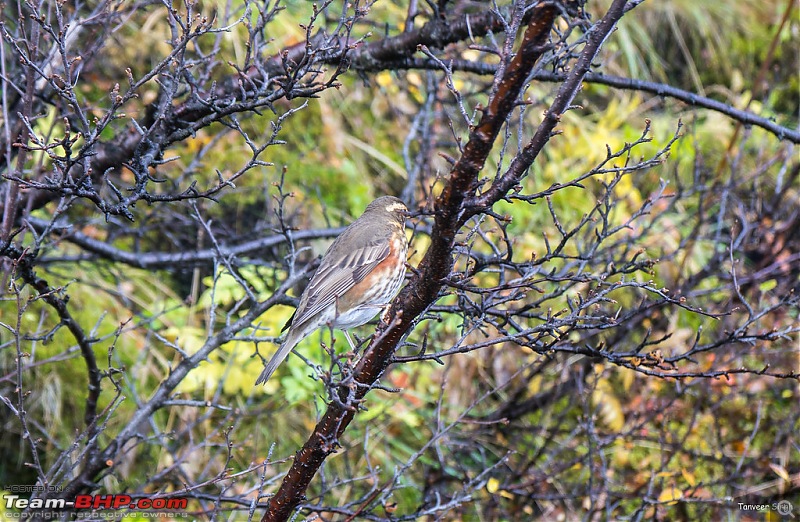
x,y
364,300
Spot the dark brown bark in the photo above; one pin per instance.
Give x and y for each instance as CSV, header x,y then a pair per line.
x,y
452,208
424,287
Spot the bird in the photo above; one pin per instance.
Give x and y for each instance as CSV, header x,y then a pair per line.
x,y
360,273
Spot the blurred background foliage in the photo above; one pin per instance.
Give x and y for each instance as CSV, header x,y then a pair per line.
x,y
345,148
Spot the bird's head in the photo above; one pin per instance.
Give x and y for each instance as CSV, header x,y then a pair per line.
x,y
389,205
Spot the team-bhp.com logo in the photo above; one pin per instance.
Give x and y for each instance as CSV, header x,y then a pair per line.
x,y
97,502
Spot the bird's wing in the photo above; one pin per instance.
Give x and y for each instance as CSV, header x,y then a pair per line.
x,y
338,274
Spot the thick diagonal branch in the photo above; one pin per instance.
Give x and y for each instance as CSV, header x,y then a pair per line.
x,y
566,93
424,287
452,208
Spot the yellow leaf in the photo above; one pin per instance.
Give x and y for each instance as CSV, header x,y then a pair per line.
x,y
766,286
628,376
535,384
780,471
492,485
608,406
384,79
688,476
670,495
621,454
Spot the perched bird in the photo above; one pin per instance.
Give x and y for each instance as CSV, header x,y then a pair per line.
x,y
358,276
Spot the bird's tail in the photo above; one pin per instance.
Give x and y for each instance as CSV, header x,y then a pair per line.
x,y
294,337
